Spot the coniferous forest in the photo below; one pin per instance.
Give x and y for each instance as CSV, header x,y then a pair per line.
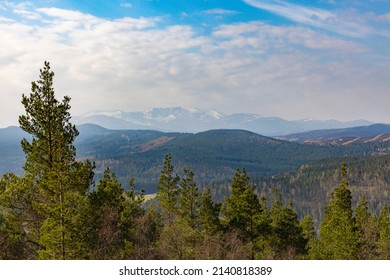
x,y
56,210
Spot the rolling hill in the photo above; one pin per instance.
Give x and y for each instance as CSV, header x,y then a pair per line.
x,y
213,155
345,136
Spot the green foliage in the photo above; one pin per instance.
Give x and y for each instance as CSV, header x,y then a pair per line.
x,y
311,184
189,200
209,223
338,232
287,239
148,229
384,234
308,232
242,208
168,195
48,121
19,222
110,219
57,181
368,231
178,240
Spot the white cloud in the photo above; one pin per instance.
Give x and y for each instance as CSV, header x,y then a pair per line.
x,y
384,17
311,16
5,20
136,64
259,34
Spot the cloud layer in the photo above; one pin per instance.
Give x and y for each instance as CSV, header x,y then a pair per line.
x,y
140,63
312,16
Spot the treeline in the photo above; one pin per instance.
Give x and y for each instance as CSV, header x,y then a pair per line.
x,y
57,211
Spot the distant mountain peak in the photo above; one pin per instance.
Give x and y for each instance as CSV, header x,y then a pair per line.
x,y
109,113
193,119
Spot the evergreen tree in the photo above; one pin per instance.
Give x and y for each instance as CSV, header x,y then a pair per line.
x,y
242,208
105,237
48,121
168,190
308,232
286,238
368,232
384,234
338,232
133,207
17,233
148,229
56,192
189,198
208,214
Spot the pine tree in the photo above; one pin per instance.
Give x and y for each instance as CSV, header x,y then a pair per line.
x,y
338,232
17,233
286,237
133,206
368,231
309,234
57,183
208,214
133,211
168,190
105,236
48,121
241,209
384,234
189,198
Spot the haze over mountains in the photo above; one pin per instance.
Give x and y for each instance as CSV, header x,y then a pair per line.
x,y
178,119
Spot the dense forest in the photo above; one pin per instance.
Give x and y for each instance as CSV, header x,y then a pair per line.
x,y
56,210
213,155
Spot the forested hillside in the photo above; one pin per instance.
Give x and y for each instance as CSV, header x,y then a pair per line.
x,y
213,155
309,187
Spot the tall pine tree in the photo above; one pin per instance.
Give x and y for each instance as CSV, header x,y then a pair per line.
x,y
58,182
189,198
242,209
168,190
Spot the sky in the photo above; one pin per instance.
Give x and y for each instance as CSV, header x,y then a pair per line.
x,y
321,59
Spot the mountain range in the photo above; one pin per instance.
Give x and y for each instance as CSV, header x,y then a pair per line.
x,y
178,119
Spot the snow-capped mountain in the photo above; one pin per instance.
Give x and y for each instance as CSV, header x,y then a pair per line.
x,y
191,119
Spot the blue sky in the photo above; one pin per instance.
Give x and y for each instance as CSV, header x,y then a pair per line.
x,y
322,59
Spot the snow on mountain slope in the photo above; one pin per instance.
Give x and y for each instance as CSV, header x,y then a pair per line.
x,y
191,119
